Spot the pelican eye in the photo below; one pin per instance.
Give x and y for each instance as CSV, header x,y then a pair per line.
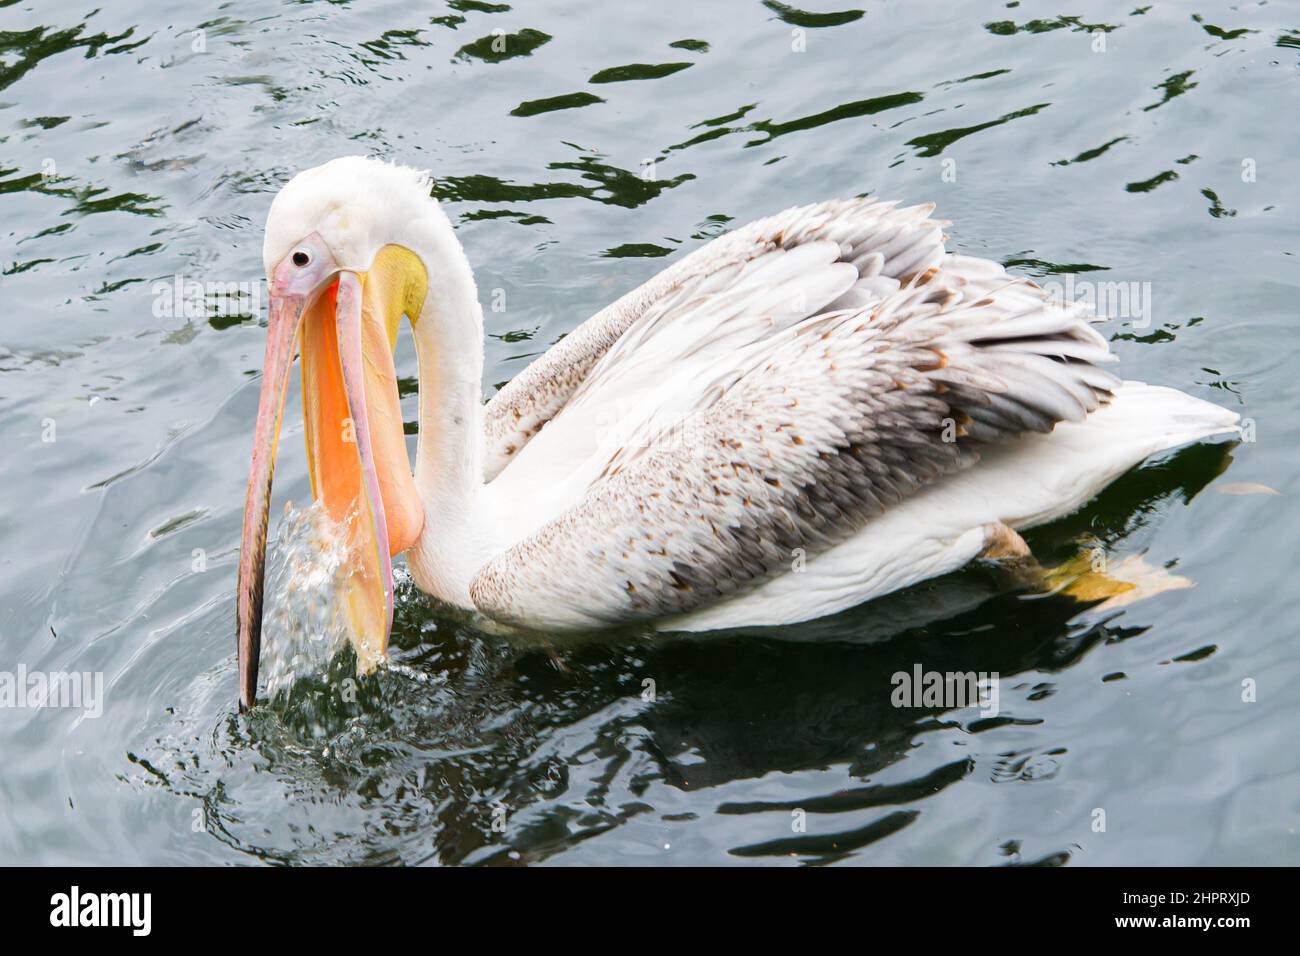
x,y
301,258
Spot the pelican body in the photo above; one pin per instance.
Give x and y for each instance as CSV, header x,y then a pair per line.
x,y
807,413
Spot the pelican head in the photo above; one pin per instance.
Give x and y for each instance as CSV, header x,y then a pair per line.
x,y
342,269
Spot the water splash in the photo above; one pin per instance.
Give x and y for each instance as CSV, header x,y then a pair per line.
x,y
306,623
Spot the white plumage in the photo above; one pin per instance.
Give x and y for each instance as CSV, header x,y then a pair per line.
x,y
828,381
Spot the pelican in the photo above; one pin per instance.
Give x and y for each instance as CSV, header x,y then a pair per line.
x,y
814,410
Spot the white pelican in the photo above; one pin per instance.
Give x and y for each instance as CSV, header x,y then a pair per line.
x,y
799,416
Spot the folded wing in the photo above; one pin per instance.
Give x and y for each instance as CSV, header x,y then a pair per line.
x,y
786,391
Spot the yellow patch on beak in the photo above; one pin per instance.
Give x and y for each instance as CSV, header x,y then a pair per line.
x,y
396,285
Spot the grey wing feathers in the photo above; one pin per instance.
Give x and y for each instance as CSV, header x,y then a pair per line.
x,y
807,435
835,419
879,241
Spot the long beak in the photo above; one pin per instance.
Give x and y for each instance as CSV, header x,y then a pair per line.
x,y
356,453
281,337
344,474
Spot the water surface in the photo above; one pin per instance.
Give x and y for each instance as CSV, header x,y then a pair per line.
x,y
1145,143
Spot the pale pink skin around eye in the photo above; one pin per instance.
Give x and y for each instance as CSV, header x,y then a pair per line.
x,y
291,280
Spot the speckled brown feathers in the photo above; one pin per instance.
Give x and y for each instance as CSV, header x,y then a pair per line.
x,y
805,433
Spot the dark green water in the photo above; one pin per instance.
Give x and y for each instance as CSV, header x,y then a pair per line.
x,y
130,156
